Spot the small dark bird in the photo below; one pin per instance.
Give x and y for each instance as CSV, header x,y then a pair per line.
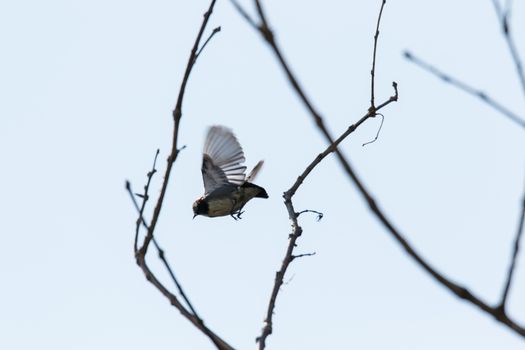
x,y
227,188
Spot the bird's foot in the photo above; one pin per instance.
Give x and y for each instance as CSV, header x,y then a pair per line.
x,y
239,213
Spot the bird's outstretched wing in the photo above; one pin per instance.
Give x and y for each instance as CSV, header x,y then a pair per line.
x,y
222,161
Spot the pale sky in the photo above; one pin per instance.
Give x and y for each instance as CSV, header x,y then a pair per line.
x,y
87,91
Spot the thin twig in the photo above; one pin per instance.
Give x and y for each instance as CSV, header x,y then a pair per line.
x,y
293,216
503,17
262,16
516,249
279,275
162,257
466,88
302,255
340,139
140,254
215,31
177,115
373,71
160,251
217,341
145,198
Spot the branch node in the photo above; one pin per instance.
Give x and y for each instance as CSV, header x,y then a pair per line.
x,y
500,309
266,33
177,113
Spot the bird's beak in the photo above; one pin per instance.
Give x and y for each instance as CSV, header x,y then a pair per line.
x,y
194,215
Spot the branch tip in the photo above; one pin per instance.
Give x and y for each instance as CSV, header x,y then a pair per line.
x,y
303,255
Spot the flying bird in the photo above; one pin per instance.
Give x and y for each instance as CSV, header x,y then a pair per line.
x,y
226,187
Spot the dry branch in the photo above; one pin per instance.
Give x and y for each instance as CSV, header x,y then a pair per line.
x,y
466,88
266,32
140,253
503,17
514,256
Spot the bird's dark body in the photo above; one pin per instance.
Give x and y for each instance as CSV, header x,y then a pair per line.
x,y
228,200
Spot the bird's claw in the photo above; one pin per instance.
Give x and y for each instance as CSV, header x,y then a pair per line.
x,y
236,215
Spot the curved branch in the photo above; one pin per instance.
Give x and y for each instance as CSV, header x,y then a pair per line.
x,y
160,251
373,71
491,102
293,216
515,251
266,32
456,289
503,17
140,253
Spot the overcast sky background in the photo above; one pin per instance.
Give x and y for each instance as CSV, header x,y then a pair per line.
x,y
87,91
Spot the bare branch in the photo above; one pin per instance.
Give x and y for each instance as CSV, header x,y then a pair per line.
x,y
215,31
516,249
177,115
296,229
160,251
466,88
145,198
456,289
372,72
140,253
340,139
302,255
279,275
503,17
199,324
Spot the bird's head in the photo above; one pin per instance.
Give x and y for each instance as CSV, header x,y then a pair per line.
x,y
200,207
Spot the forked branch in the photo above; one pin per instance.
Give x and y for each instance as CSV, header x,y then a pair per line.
x,y
140,253
264,29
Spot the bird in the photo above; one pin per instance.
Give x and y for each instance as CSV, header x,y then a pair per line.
x,y
226,187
